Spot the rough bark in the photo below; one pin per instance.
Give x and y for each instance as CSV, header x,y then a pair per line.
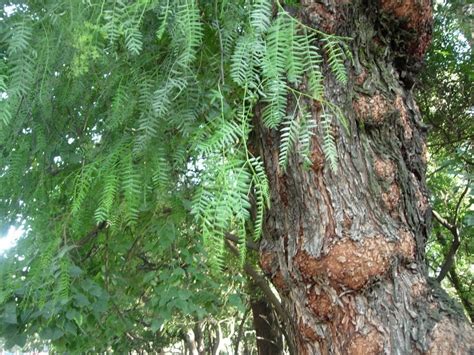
x,y
345,249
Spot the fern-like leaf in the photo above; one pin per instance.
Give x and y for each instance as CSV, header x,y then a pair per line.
x,y
5,112
329,142
163,19
313,69
113,20
223,135
289,137
274,69
133,39
109,193
131,183
189,33
246,61
20,37
262,194
161,169
122,107
296,60
336,57
305,133
82,187
261,15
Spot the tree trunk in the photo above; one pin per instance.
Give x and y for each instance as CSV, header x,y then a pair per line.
x,y
190,342
269,337
345,249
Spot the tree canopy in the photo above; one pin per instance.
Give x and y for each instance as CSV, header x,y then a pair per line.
x,y
124,134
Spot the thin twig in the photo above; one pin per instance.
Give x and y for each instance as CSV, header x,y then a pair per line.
x,y
456,211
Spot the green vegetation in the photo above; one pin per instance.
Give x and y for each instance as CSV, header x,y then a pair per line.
x,y
445,96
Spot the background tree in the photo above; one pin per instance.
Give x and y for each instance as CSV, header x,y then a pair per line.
x,y
446,101
139,136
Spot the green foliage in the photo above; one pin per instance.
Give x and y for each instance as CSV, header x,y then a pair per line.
x,y
125,129
445,98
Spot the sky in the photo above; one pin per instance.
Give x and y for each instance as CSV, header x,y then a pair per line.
x,y
9,240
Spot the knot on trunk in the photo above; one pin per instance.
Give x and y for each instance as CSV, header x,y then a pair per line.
x,y
354,265
372,110
366,344
414,17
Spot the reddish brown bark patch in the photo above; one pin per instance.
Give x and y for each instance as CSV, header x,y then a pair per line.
x,y
320,304
407,245
416,15
307,332
404,120
418,289
308,266
391,198
317,156
361,77
321,17
371,109
282,189
353,264
267,262
370,344
279,281
421,198
385,169
348,264
414,12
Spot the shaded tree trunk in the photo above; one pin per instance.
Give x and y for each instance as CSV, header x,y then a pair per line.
x,y
269,337
190,342
345,249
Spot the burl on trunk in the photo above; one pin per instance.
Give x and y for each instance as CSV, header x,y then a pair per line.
x,y
345,249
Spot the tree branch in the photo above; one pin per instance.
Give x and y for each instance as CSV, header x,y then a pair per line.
x,y
249,244
442,221
92,234
453,228
456,211
240,333
262,283
458,286
449,258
